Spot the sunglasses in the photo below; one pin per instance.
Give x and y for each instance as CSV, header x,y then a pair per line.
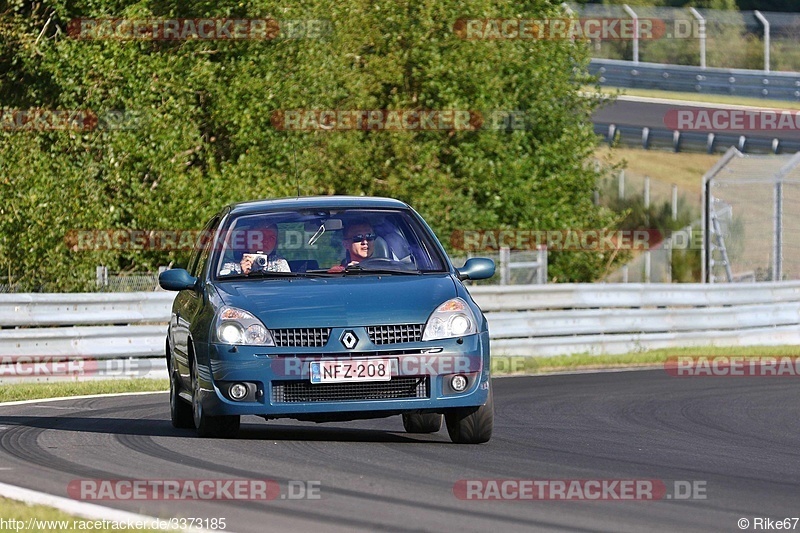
x,y
362,237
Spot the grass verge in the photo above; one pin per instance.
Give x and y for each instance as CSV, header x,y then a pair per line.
x,y
43,519
33,391
697,97
518,365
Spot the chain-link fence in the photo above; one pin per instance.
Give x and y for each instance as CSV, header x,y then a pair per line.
x,y
751,223
703,37
104,282
512,267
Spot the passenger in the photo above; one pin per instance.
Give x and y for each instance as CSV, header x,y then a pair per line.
x,y
263,257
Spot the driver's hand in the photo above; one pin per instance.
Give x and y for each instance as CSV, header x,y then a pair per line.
x,y
336,268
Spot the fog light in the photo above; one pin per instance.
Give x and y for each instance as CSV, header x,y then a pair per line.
x,y
459,382
237,391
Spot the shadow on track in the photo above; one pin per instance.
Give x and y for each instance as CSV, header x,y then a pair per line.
x,y
163,428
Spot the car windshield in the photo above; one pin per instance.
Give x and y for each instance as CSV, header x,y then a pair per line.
x,y
320,242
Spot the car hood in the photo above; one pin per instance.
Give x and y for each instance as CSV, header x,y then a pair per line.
x,y
359,300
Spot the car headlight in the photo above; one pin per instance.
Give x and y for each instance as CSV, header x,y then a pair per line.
x,y
236,326
451,319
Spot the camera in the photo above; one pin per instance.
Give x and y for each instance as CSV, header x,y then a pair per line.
x,y
259,262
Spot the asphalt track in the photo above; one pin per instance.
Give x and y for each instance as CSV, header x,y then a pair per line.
x,y
633,112
737,437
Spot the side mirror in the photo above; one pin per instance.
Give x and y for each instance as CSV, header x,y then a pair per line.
x,y
176,279
476,268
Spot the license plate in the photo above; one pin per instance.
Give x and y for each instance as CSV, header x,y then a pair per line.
x,y
351,370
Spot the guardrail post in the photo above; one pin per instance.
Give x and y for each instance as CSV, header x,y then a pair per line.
x,y
635,18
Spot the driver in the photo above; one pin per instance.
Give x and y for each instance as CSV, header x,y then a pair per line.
x,y
359,244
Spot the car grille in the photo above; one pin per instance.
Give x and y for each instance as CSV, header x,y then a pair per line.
x,y
395,333
301,337
304,391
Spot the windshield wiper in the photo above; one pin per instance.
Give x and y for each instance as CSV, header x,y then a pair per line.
x,y
357,269
272,274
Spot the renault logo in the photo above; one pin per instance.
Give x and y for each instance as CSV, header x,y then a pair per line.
x,y
349,339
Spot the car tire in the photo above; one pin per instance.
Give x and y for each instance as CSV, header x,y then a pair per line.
x,y
226,427
179,410
471,425
422,423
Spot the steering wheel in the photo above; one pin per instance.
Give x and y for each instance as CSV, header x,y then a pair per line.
x,y
383,263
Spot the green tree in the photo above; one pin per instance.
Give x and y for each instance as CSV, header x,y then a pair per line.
x,y
199,133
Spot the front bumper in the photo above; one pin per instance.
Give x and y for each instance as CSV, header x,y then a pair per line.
x,y
279,385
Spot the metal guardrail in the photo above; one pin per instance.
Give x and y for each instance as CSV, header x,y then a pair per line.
x,y
541,320
43,309
692,141
620,318
630,295
682,78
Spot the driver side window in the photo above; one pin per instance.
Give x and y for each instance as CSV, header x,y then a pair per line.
x,y
203,247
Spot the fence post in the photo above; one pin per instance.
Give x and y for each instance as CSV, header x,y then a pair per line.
x,y
674,202
701,29
621,185
541,271
635,18
765,22
505,267
101,274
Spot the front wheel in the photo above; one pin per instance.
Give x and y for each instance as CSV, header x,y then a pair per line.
x,y
471,425
210,426
180,411
422,423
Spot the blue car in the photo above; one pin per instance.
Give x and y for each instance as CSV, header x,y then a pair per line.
x,y
327,309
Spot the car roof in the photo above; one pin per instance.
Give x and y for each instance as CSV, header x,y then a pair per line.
x,y
317,202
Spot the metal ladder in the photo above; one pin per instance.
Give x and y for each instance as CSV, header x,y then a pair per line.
x,y
719,245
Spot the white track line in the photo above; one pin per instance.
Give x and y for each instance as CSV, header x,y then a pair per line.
x,y
680,103
86,396
649,100
85,510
